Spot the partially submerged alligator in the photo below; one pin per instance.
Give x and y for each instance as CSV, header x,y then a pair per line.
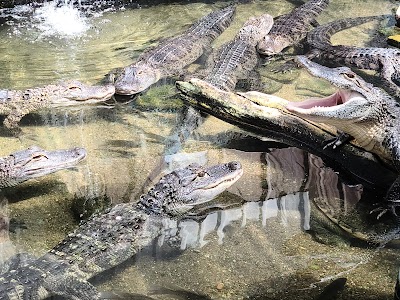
x,y
365,113
237,58
232,61
15,104
171,56
384,60
291,28
35,162
109,239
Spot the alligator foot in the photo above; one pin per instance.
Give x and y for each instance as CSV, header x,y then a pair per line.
x,y
287,66
337,141
392,200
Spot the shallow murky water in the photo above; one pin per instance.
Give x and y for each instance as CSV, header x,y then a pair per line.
x,y
256,250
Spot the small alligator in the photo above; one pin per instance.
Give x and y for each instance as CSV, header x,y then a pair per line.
x,y
232,61
35,162
16,104
291,28
385,60
171,56
359,110
109,239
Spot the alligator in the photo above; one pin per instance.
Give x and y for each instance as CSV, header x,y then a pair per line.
x,y
385,60
266,116
171,56
232,61
109,239
237,58
360,111
291,28
17,103
35,162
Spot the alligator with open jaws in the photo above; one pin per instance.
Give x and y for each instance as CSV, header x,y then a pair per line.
x,y
109,239
291,28
17,103
360,111
232,61
384,60
266,116
171,56
35,162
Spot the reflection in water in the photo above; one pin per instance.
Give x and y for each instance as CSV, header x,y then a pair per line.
x,y
301,193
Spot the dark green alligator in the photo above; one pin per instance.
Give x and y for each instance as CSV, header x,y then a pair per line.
x,y
109,239
35,162
171,56
16,104
291,28
384,60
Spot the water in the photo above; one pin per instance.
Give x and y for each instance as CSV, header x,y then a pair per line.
x,y
256,250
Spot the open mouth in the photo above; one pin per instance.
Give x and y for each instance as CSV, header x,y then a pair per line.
x,y
338,98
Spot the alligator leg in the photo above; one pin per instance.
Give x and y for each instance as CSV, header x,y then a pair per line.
x,y
337,141
12,120
71,286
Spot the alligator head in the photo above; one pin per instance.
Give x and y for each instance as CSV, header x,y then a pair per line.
x,y
256,28
272,44
136,78
35,162
76,93
357,108
178,192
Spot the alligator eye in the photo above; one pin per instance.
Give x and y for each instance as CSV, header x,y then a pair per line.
x,y
39,156
74,88
350,75
202,174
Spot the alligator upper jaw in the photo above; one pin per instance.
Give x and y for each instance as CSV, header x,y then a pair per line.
x,y
45,162
331,107
102,94
219,178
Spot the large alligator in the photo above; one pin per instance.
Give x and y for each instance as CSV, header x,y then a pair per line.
x,y
291,28
384,60
34,162
109,239
171,56
17,103
232,61
359,110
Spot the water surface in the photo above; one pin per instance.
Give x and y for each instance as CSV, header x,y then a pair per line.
x,y
258,250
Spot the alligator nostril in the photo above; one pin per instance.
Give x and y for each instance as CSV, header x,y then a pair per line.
x,y
234,165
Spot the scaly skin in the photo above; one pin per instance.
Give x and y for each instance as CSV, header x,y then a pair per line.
x,y
232,61
16,104
384,60
35,162
237,58
291,28
170,57
364,112
109,239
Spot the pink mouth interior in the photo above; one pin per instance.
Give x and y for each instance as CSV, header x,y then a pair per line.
x,y
333,100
